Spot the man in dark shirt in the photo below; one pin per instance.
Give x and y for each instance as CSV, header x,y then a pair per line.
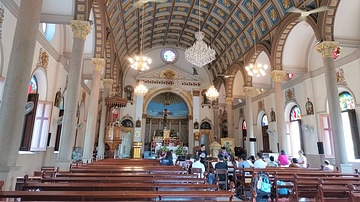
x,y
202,154
219,165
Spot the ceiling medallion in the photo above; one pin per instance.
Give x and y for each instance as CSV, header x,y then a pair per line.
x,y
200,54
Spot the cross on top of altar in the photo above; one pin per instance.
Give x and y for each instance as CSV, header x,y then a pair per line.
x,y
165,114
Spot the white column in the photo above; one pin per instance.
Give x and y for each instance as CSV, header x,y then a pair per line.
x,y
277,76
326,48
80,30
195,116
101,142
230,118
98,64
249,121
16,86
216,132
137,140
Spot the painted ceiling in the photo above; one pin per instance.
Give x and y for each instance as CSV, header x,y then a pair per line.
x,y
230,26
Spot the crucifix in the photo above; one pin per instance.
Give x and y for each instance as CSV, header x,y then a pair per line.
x,y
165,114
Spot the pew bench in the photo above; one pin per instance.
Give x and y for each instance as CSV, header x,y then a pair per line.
x,y
114,195
125,175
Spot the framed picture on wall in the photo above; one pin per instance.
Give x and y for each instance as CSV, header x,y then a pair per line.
x,y
228,143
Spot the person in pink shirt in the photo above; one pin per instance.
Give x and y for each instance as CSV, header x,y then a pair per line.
x,y
283,159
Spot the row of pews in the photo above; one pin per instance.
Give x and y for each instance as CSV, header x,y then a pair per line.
x,y
117,180
311,183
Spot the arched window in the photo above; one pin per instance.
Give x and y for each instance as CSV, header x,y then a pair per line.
x,y
346,101
264,120
33,86
295,113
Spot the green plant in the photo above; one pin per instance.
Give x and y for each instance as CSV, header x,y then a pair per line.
x,y
180,151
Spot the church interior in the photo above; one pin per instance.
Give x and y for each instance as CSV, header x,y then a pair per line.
x,y
84,80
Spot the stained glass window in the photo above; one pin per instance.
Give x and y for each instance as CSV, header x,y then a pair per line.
x,y
33,86
295,113
346,101
169,56
264,120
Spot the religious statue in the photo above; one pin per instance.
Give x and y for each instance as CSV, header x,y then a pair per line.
x,y
196,125
138,123
129,93
272,115
309,107
58,98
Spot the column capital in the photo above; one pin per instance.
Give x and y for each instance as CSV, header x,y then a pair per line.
x,y
229,100
277,75
80,28
326,48
98,63
108,83
215,108
248,90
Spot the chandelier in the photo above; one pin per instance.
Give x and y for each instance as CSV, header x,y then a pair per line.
x,y
141,89
140,62
200,54
212,94
256,69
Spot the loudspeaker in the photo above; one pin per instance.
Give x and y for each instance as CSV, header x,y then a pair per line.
x,y
320,146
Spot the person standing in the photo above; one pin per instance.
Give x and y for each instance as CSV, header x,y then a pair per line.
x,y
224,153
302,161
202,154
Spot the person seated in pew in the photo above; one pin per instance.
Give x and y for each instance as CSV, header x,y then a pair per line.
x,y
251,160
168,160
283,159
294,163
232,165
198,164
272,162
328,166
219,165
302,159
259,163
243,163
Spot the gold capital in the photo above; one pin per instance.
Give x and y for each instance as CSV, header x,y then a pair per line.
x,y
229,100
108,83
98,63
80,28
326,48
277,75
248,90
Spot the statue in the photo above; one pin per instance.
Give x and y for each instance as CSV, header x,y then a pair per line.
x,y
309,107
58,98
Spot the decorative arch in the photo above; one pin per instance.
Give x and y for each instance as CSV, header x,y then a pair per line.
x,y
40,74
283,31
327,29
185,96
206,124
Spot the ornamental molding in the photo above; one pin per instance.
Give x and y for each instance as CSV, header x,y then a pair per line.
x,y
98,64
326,48
277,75
80,28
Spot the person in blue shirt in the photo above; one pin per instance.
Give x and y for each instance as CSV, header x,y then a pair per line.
x,y
168,160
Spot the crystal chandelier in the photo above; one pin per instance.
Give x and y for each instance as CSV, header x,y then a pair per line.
x,y
212,94
200,54
141,89
256,69
140,62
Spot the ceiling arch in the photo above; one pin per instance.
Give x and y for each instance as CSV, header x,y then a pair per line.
x,y
229,25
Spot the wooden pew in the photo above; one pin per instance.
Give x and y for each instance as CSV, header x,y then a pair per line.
x,y
68,174
113,195
137,186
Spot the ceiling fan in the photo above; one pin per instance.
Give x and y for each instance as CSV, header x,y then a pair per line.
x,y
140,3
305,13
226,75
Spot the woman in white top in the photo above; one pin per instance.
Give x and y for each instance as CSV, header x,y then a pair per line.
x,y
302,159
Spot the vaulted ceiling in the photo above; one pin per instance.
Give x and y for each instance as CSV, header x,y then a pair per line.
x,y
229,25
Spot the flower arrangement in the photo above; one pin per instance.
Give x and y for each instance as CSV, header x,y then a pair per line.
x,y
181,151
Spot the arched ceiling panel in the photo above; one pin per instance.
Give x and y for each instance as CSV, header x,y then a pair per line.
x,y
229,25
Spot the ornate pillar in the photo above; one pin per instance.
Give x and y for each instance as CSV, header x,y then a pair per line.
x,y
16,86
80,30
277,76
101,143
216,123
230,118
196,116
249,121
98,64
326,48
137,141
